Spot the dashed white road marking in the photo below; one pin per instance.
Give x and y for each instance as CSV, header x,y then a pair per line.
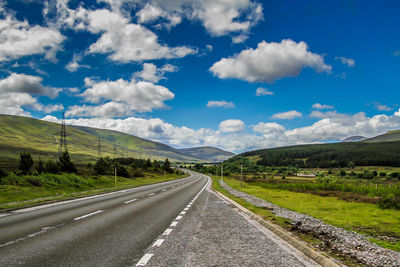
x,y
143,261
158,242
87,215
178,218
183,212
167,232
188,206
163,190
4,215
129,201
185,209
149,195
174,224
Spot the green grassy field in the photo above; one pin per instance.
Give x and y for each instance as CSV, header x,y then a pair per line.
x,y
14,196
364,218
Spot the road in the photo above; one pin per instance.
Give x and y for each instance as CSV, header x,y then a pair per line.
x,y
107,230
176,223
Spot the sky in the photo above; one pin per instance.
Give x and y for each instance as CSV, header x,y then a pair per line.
x,y
235,74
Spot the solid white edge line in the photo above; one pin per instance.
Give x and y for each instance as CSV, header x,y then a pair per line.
x,y
178,218
173,224
129,201
158,242
143,261
87,215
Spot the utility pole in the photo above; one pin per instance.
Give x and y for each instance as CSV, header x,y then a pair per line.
x,y
99,149
222,173
241,175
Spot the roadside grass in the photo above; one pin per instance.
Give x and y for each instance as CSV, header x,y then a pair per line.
x,y
17,196
282,222
364,218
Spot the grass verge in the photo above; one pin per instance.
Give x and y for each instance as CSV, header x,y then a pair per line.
x,y
382,226
19,196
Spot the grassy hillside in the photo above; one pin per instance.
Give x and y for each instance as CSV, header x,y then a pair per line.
x,y
207,153
327,155
41,138
387,137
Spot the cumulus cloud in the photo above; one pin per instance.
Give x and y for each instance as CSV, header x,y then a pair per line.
x,y
320,106
121,40
231,126
19,39
347,61
269,62
288,115
22,83
334,126
153,74
141,96
107,110
220,104
263,91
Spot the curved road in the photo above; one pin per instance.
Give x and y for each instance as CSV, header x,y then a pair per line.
x,y
112,229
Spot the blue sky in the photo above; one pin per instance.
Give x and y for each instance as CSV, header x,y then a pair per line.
x,y
237,74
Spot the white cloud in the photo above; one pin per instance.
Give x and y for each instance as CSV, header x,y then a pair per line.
x,y
335,126
263,91
209,48
107,110
74,65
122,40
52,108
269,62
220,104
320,106
12,103
347,61
231,126
153,74
22,83
219,17
381,107
141,96
288,115
19,39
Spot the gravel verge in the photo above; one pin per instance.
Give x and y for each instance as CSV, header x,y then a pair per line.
x,y
348,243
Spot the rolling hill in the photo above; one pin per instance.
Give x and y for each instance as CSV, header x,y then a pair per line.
x,y
41,138
208,153
325,155
387,137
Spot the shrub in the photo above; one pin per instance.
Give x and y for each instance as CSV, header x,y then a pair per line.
x,y
389,202
51,167
394,174
40,166
2,174
65,163
122,171
382,174
342,173
25,162
137,173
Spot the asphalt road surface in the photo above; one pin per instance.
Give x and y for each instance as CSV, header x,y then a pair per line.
x,y
108,230
176,223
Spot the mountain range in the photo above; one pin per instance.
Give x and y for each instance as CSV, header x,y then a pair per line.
x,y
41,139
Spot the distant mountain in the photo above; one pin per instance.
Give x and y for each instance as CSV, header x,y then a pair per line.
x,y
356,138
41,138
208,153
387,137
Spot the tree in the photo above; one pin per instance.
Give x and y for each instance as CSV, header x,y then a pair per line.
x,y
342,173
167,166
40,166
51,167
102,166
148,164
25,162
66,165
